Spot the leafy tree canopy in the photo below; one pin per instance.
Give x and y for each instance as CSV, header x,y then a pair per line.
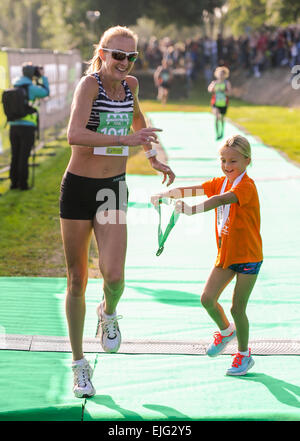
x,y
64,24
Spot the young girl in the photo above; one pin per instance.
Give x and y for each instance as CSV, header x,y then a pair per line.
x,y
235,200
219,100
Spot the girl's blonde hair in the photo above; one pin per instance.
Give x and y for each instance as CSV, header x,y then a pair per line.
x,y
222,69
115,31
239,143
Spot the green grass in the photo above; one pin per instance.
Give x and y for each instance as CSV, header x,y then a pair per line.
x,y
278,127
30,241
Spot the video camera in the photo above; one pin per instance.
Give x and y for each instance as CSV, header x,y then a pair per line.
x,y
30,71
37,72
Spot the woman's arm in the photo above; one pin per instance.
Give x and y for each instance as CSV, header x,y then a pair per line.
x,y
85,93
213,202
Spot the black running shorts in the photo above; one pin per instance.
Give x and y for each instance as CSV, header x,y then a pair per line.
x,y
222,109
81,197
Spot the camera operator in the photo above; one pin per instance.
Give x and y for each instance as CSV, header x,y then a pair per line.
x,y
22,131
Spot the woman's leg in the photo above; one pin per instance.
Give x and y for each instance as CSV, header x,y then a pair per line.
x,y
222,125
165,95
217,119
112,244
76,235
159,93
216,283
243,288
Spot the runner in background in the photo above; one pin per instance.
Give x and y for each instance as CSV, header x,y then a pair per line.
x,y
162,78
220,89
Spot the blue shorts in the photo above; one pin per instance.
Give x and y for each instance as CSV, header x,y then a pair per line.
x,y
246,268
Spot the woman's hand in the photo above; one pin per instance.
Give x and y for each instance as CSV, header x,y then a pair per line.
x,y
165,169
182,207
144,136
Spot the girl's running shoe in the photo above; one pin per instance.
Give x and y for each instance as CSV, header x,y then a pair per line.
x,y
83,387
219,344
241,364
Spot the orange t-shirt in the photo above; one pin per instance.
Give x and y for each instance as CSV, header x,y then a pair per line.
x,y
241,241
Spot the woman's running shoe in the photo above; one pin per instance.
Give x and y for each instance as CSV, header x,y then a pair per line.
x,y
108,330
83,387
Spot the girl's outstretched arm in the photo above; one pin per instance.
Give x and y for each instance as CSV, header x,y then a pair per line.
x,y
213,202
179,192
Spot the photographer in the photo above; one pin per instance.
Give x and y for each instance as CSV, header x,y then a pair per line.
x,y
22,131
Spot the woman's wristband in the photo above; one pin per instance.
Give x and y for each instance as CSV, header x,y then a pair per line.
x,y
150,153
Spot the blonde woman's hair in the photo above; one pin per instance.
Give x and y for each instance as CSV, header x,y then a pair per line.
x,y
222,69
239,143
115,31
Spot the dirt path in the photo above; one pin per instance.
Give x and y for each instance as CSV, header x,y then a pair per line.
x,y
274,87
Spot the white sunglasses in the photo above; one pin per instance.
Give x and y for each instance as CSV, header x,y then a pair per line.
x,y
121,55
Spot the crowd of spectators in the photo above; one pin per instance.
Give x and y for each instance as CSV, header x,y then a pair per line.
x,y
254,52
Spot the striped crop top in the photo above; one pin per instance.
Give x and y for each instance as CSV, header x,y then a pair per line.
x,y
111,117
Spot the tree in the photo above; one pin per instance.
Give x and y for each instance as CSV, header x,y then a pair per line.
x,y
55,30
179,12
19,24
63,24
288,10
245,14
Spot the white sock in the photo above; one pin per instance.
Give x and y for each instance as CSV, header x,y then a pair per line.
x,y
108,315
228,331
79,361
246,353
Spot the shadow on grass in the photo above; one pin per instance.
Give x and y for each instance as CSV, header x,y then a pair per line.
x,y
172,297
283,391
107,401
169,413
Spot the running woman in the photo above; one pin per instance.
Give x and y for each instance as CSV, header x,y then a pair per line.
x,y
235,200
94,192
220,89
162,78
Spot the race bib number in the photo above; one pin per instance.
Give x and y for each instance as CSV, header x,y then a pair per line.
x,y
220,98
117,124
